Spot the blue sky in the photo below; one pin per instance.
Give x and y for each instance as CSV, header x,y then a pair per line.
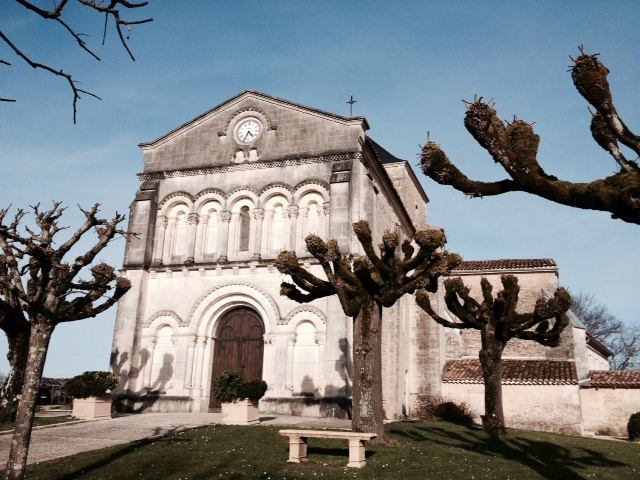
x,y
408,65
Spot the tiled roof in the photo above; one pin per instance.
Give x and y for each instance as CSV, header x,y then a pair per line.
x,y
53,382
383,155
508,264
615,378
514,372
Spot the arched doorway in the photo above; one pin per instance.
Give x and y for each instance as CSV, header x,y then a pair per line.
x,y
239,346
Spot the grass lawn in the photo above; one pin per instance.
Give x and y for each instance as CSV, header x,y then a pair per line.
x,y
434,450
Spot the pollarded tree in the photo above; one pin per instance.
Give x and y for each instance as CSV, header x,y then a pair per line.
x,y
499,322
38,291
364,286
515,147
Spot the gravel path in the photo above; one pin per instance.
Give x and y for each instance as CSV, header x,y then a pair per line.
x,y
62,440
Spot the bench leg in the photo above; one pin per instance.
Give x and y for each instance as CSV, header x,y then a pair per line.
x,y
356,454
297,449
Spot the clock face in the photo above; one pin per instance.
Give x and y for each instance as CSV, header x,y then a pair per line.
x,y
248,131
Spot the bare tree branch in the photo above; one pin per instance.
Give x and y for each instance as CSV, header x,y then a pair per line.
x,y
109,9
515,147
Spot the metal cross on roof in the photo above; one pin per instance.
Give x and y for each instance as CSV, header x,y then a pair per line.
x,y
351,102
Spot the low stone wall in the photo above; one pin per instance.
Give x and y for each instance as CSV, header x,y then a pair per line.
x,y
606,411
307,407
545,408
152,404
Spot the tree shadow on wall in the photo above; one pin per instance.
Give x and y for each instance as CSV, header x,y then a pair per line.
x,y
342,365
138,401
550,460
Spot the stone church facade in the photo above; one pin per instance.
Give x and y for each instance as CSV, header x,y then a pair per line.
x,y
220,197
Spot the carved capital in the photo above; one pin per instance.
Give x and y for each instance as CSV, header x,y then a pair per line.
x,y
225,216
291,340
293,211
163,221
192,219
258,213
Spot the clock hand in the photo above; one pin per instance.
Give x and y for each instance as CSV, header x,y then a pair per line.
x,y
247,135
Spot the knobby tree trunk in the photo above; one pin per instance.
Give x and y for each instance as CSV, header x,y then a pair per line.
x,y
368,411
491,361
17,356
41,331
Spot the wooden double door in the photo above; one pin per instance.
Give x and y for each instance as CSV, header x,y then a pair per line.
x,y
239,346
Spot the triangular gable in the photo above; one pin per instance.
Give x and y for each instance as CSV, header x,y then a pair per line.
x,y
245,95
286,130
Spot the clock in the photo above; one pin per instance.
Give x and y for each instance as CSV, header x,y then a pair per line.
x,y
248,131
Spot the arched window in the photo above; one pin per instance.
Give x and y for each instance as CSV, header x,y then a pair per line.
x,y
241,229
175,242
277,228
180,234
312,215
163,359
305,359
276,233
210,232
313,218
244,224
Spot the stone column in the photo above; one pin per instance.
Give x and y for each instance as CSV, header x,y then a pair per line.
x,y
321,366
192,224
303,223
325,220
149,366
291,342
160,234
223,238
200,347
201,235
268,218
168,244
293,223
258,216
340,199
270,361
188,378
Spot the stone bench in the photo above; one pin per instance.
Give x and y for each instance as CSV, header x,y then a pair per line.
x,y
298,444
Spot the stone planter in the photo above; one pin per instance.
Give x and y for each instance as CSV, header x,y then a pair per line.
x,y
242,412
92,408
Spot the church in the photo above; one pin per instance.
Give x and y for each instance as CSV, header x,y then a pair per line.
x,y
222,195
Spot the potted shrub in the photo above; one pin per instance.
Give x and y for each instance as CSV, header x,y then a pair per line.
x,y
91,394
239,398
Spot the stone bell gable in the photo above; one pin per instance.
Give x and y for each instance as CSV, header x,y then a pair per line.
x,y
289,130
